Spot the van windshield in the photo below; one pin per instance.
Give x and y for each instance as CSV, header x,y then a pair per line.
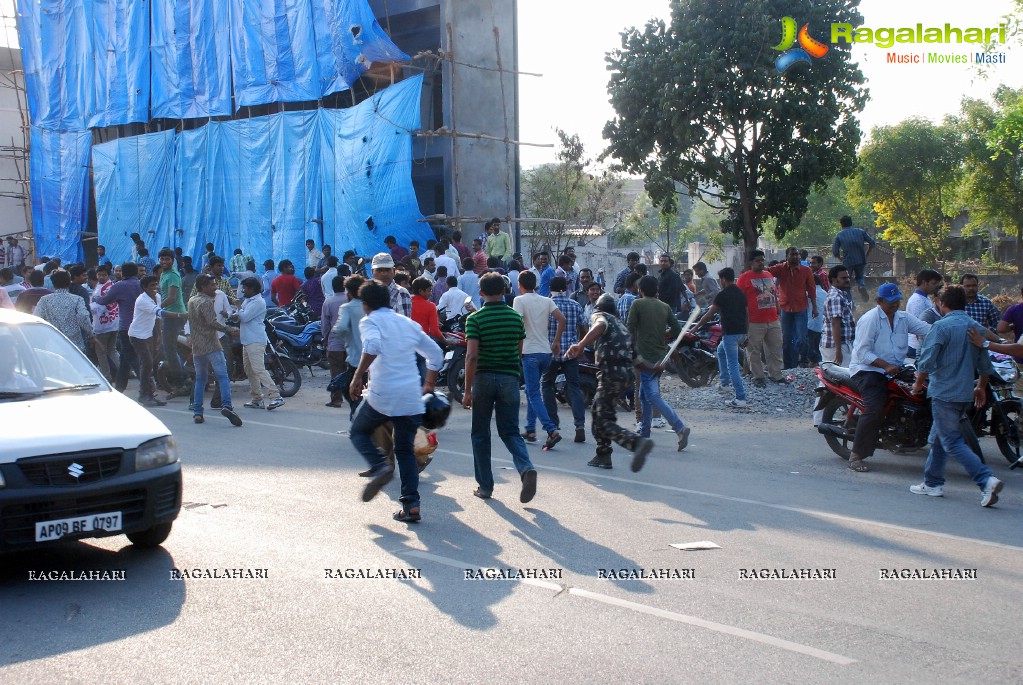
x,y
35,358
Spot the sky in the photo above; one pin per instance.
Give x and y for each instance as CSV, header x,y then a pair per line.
x,y
567,43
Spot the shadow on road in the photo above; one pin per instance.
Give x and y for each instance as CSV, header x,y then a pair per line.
x,y
43,618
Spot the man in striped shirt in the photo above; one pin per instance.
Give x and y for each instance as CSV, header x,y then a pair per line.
x,y
493,365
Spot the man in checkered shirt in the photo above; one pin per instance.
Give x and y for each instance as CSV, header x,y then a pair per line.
x,y
980,308
839,328
575,328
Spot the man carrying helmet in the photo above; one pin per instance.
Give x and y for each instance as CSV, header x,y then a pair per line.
x,y
610,339
390,343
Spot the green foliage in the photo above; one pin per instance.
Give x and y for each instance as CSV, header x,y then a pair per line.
x,y
570,191
992,183
824,208
699,102
910,172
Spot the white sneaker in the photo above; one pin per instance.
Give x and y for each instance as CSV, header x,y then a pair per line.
x,y
659,422
736,403
925,489
990,493
724,389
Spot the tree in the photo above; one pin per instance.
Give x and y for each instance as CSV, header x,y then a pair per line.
x,y
910,171
571,192
823,209
992,185
699,102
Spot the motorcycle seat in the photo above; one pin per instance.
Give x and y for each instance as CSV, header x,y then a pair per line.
x,y
836,374
294,329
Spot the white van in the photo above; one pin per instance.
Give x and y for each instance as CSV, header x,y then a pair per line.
x,y
77,458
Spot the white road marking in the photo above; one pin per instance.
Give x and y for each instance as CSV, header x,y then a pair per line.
x,y
713,495
654,611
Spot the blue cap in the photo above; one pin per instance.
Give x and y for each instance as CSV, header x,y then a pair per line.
x,y
889,292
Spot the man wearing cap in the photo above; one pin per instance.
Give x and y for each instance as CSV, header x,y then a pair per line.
x,y
383,271
879,350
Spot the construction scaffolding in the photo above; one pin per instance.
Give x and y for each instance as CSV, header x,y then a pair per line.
x,y
15,198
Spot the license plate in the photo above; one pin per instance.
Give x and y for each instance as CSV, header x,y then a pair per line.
x,y
54,530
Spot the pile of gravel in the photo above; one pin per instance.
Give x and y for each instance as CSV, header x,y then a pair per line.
x,y
794,398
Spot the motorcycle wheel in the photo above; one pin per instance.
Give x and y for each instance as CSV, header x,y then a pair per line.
x,y
836,413
456,381
285,374
1007,430
699,376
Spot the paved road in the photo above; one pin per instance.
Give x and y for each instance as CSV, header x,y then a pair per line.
x,y
281,494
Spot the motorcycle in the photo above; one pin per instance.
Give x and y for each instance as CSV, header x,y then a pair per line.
x,y
1000,415
301,343
282,370
452,373
906,421
695,360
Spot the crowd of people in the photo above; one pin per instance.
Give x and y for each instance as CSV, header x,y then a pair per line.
x,y
524,327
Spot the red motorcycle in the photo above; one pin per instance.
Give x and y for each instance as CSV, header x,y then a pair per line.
x,y
695,360
907,418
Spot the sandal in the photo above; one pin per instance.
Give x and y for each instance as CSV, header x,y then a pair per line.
x,y
858,466
553,438
408,515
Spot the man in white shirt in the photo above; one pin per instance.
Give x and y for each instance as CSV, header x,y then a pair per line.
x,y
444,259
327,279
879,351
453,301
252,335
537,350
928,282
390,343
313,256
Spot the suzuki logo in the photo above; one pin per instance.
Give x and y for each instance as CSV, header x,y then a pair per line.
x,y
76,470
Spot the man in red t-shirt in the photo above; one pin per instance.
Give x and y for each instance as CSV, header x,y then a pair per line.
x,y
764,328
284,287
798,293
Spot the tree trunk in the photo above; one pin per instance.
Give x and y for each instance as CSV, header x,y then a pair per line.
x,y
1019,249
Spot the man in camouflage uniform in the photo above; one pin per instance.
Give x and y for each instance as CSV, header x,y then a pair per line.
x,y
615,375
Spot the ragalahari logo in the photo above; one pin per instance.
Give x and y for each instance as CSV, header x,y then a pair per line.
x,y
808,47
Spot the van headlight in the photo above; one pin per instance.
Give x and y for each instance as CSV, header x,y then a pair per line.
x,y
156,453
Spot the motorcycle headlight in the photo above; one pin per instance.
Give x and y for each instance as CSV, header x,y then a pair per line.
x,y
156,453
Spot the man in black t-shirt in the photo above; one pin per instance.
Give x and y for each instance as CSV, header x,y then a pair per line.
x,y
731,303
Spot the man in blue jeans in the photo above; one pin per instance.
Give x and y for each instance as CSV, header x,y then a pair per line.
x,y
575,328
950,362
205,330
537,351
730,301
649,320
495,335
390,343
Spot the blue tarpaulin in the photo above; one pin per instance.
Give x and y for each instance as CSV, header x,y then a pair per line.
x,y
56,54
120,50
348,40
273,56
266,184
366,171
59,174
134,180
96,63
191,63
